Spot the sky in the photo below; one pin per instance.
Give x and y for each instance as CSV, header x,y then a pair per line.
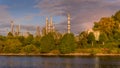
x,y
32,13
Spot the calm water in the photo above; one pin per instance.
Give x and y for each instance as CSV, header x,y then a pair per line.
x,y
58,62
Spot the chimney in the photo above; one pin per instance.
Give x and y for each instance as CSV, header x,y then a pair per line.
x,y
68,24
12,27
46,27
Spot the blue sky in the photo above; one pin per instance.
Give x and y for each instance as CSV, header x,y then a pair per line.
x,y
31,13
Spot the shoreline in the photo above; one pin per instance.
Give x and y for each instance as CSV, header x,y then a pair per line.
x,y
50,54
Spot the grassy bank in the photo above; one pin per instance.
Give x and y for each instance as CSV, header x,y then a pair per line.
x,y
77,52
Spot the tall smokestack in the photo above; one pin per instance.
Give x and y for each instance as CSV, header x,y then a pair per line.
x,y
68,24
12,27
46,27
53,27
37,31
19,28
51,24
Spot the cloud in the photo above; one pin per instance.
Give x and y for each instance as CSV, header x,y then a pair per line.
x,y
83,12
4,18
4,14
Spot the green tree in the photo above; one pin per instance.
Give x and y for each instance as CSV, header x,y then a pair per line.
x,y
2,38
28,40
30,49
10,35
12,46
1,46
91,38
106,25
83,39
117,15
47,43
117,36
36,41
67,44
103,38
21,39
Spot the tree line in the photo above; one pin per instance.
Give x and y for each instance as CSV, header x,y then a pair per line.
x,y
55,42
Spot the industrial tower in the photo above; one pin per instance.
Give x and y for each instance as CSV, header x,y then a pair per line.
x,y
18,29
49,25
12,27
37,31
68,23
46,25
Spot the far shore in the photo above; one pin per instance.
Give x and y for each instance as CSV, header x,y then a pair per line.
x,y
51,54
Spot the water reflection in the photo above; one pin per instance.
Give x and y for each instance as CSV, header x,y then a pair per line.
x,y
58,62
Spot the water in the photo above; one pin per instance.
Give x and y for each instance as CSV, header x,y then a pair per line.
x,y
58,62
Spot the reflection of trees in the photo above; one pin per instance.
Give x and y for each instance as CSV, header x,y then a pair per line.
x,y
46,64
67,63
96,62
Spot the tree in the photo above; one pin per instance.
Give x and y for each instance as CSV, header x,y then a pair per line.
x,y
103,38
1,46
67,44
12,46
28,40
2,38
10,35
117,36
47,43
117,15
30,49
106,25
21,39
91,38
83,39
36,41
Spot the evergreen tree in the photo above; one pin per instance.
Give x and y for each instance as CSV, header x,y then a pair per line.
x,y
12,46
103,38
10,35
117,36
83,39
30,49
47,43
117,15
91,38
36,41
28,40
67,44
